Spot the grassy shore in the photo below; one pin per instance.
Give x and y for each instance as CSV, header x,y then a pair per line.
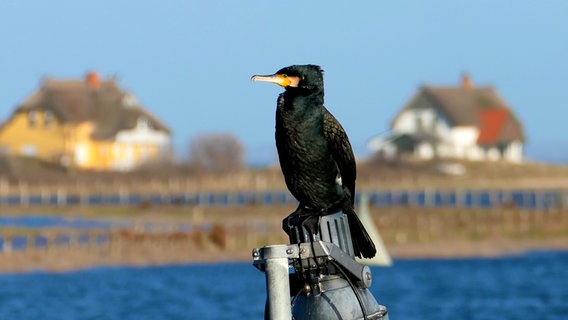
x,y
230,233
371,175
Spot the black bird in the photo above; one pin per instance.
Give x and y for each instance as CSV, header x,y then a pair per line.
x,y
315,154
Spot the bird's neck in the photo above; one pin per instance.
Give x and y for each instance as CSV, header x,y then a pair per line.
x,y
299,100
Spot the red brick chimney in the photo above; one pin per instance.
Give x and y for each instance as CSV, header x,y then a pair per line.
x,y
467,84
93,80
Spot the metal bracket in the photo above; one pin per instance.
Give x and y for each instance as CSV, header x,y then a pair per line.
x,y
279,251
328,251
303,253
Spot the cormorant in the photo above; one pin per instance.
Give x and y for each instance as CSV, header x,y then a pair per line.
x,y
315,154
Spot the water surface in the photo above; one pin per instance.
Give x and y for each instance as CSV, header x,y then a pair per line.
x,y
534,285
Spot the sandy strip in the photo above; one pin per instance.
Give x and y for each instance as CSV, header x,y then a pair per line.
x,y
64,259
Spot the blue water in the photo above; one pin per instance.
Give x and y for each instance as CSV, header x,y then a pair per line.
x,y
532,286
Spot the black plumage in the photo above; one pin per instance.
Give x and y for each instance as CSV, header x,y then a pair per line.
x,y
315,154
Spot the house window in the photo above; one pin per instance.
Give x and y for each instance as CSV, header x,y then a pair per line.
x,y
418,123
28,150
32,119
434,124
144,123
47,119
81,154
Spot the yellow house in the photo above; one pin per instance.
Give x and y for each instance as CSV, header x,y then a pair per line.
x,y
88,123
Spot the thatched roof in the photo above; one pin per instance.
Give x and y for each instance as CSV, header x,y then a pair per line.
x,y
102,102
466,105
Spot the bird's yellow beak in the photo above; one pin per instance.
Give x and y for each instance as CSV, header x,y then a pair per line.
x,y
280,79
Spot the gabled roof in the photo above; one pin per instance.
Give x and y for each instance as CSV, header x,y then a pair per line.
x,y
99,101
480,107
461,105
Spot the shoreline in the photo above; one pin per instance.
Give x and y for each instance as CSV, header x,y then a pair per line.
x,y
62,260
228,234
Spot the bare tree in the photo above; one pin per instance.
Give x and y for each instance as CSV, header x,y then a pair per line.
x,y
218,153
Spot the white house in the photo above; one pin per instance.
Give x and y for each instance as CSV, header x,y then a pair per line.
x,y
461,122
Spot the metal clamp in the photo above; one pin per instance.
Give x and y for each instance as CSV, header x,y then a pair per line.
x,y
321,249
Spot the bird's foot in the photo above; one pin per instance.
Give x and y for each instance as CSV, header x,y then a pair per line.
x,y
292,220
302,218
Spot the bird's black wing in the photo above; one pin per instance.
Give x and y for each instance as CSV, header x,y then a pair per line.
x,y
343,155
341,151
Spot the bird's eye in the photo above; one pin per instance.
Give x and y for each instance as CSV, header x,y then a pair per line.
x,y
284,76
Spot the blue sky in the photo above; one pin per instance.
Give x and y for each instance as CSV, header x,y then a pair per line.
x,y
190,62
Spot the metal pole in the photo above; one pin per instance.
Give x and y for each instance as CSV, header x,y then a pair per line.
x,y
273,260
278,288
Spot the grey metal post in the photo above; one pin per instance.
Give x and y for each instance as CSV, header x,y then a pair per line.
x,y
273,260
277,282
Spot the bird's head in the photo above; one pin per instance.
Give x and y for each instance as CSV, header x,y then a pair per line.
x,y
308,77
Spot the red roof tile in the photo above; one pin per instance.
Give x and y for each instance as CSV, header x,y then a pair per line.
x,y
491,126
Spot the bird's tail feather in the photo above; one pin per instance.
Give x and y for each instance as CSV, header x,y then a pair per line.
x,y
362,243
